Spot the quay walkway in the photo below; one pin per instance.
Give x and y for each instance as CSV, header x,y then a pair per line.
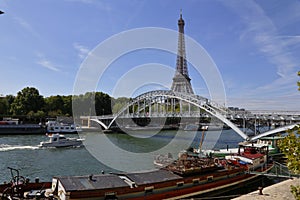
x,y
279,191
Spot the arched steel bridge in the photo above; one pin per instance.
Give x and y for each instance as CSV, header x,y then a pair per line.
x,y
155,102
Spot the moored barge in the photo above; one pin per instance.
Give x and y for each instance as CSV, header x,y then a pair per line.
x,y
10,126
188,176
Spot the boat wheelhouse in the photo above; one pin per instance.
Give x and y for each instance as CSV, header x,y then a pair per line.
x,y
250,156
58,140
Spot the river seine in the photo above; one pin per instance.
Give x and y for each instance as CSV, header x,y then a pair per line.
x,y
109,152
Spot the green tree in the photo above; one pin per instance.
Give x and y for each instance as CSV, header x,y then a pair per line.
x,y
84,104
53,103
298,83
39,115
10,99
5,104
67,105
119,103
290,147
4,108
27,100
92,103
102,103
58,105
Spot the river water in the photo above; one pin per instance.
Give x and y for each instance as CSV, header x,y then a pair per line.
x,y
108,152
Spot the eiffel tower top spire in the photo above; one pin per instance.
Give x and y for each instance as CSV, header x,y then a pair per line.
x,y
181,80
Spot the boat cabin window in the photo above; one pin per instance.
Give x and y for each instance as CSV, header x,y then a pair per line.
x,y
110,195
210,178
196,181
54,139
180,184
149,189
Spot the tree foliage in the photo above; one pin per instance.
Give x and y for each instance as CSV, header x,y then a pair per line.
x,y
298,83
119,103
3,105
102,104
31,105
92,103
27,100
290,147
58,105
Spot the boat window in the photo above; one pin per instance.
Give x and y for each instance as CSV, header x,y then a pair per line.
x,y
210,178
196,181
149,189
67,127
180,184
55,127
54,139
111,195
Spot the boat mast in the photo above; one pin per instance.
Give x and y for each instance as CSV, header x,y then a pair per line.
x,y
204,128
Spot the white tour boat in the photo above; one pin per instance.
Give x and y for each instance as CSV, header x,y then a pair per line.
x,y
56,127
58,140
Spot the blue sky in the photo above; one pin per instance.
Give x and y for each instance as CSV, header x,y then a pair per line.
x,y
254,44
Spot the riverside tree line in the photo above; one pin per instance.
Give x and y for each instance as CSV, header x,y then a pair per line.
x,y
29,106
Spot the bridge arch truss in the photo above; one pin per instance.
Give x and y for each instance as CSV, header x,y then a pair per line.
x,y
169,103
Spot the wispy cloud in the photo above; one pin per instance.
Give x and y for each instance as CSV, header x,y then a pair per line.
x,y
28,27
42,61
82,50
261,30
100,4
292,41
83,1
279,50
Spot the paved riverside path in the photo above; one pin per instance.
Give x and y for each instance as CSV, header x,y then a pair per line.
x,y
277,191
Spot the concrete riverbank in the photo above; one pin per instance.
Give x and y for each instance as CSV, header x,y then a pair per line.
x,y
280,191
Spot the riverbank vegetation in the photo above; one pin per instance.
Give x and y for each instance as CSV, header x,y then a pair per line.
x,y
290,147
29,106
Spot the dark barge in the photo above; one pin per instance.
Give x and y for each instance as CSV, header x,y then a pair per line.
x,y
188,176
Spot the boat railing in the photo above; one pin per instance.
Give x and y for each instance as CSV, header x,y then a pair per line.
x,y
275,170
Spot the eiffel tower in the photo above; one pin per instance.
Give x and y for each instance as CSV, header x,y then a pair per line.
x,y
181,80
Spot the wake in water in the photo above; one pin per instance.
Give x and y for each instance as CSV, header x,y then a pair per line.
x,y
7,147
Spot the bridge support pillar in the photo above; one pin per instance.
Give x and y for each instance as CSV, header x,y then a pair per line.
x,y
89,122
